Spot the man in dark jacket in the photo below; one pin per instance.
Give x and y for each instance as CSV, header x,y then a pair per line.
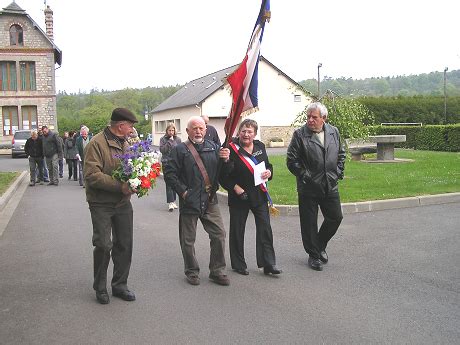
x,y
34,150
52,150
196,186
211,131
316,157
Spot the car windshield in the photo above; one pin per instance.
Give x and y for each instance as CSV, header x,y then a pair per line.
x,y
22,135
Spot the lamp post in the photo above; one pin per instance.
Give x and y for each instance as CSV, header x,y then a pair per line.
x,y
445,96
319,65
146,113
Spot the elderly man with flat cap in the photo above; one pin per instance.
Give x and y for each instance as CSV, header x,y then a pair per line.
x,y
110,206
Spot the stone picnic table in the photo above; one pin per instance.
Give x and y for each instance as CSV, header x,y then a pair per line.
x,y
386,145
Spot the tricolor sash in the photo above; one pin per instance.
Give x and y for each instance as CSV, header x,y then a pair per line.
x,y
250,161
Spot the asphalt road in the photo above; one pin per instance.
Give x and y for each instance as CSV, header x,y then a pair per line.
x,y
393,277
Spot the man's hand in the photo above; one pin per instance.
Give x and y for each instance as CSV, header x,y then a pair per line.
x,y
224,154
126,189
238,190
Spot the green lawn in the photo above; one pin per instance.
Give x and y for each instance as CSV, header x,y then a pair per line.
x,y
6,178
429,173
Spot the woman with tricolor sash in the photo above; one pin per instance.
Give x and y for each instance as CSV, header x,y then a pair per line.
x,y
249,192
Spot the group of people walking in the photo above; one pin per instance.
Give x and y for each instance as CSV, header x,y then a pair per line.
x,y
193,170
46,151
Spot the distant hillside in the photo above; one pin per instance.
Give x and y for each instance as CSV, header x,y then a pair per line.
x,y
423,84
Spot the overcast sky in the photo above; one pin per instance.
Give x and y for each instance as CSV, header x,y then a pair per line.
x,y
114,44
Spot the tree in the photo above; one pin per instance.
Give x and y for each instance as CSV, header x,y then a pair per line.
x,y
348,115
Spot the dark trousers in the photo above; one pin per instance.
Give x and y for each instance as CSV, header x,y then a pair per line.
x,y
170,194
80,172
112,234
315,241
53,168
36,168
45,172
265,253
61,167
213,225
72,165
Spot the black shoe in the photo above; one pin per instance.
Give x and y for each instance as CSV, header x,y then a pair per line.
x,y
46,181
315,264
242,271
272,269
69,178
125,295
323,257
193,279
102,297
220,279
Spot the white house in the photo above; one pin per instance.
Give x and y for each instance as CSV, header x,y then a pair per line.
x,y
280,100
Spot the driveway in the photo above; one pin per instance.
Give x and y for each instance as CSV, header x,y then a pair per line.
x,y
393,277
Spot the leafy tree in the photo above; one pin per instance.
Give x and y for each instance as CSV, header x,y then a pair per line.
x,y
348,115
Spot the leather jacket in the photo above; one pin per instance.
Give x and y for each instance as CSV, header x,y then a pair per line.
x,y
316,167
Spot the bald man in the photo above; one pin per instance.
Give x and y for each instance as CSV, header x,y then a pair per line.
x,y
192,173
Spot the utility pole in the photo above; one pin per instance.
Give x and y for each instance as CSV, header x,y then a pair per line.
x,y
319,65
445,97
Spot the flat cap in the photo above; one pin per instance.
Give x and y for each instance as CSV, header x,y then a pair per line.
x,y
122,114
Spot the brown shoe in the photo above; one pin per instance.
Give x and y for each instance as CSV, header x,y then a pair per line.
x,y
220,279
193,279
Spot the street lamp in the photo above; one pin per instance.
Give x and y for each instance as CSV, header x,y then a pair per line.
x,y
146,113
445,97
319,65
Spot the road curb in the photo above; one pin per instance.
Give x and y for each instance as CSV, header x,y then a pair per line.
x,y
376,205
369,206
5,198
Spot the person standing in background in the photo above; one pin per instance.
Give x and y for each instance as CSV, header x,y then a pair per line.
x,y
71,155
61,156
211,132
81,142
34,150
52,150
167,143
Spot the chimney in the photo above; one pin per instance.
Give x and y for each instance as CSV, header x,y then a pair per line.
x,y
49,22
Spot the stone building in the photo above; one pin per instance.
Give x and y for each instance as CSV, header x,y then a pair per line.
x,y
28,58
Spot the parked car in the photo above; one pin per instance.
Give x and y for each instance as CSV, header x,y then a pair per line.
x,y
17,144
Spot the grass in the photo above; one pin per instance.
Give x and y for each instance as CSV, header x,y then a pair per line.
x,y
429,173
6,179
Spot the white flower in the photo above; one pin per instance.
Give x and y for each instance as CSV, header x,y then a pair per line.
x,y
134,182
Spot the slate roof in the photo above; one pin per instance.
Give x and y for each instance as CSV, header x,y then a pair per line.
x,y
196,91
15,9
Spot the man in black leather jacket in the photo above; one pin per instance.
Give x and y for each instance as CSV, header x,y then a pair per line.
x,y
316,156
198,200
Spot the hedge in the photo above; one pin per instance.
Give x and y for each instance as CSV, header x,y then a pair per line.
x,y
430,137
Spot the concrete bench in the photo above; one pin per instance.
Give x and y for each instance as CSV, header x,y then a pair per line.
x,y
386,145
359,147
357,152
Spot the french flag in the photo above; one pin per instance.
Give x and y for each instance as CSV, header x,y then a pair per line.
x,y
244,80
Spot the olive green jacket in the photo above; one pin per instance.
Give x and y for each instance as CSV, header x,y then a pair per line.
x,y
100,161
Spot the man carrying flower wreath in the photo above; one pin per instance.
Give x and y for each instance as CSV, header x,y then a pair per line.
x,y
110,206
